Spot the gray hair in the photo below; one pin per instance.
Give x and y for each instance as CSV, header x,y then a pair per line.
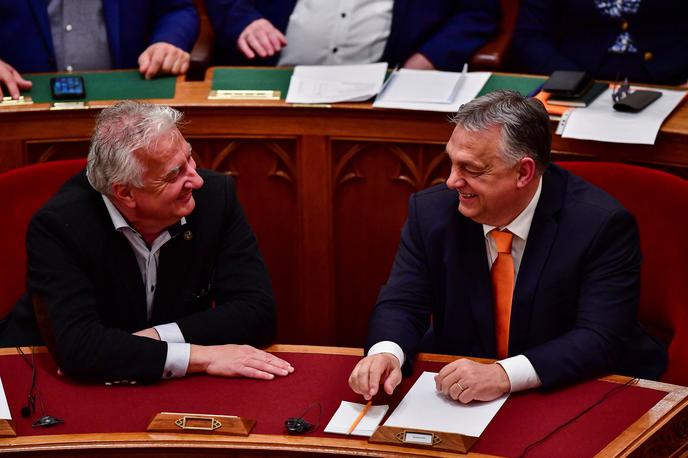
x,y
523,121
121,132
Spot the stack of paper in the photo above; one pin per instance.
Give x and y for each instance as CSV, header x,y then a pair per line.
x,y
430,90
335,83
599,121
424,407
347,414
4,408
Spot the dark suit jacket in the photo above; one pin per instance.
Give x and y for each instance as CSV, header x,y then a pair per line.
x,y
573,35
575,299
132,25
212,282
447,32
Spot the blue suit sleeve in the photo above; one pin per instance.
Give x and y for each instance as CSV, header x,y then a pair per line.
x,y
230,17
534,45
471,26
606,308
402,312
176,22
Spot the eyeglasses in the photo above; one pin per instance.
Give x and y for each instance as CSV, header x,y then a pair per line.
x,y
621,91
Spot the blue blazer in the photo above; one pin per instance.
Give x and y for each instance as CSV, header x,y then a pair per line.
x,y
575,299
447,32
132,25
573,35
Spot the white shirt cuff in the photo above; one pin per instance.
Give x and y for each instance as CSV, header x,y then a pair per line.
x,y
387,346
521,373
170,332
177,360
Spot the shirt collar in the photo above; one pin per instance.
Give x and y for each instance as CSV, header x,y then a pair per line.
x,y
120,223
520,226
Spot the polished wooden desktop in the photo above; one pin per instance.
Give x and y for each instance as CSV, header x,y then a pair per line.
x,y
325,187
660,431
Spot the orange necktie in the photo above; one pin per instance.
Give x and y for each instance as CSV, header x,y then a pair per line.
x,y
502,289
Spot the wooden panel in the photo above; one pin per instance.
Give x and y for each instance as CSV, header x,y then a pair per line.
x,y
265,176
372,184
55,150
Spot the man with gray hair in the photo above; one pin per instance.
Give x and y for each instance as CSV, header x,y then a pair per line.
x,y
538,269
144,267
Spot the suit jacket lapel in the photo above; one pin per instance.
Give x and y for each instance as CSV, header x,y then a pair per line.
x,y
542,234
40,14
477,282
126,270
111,14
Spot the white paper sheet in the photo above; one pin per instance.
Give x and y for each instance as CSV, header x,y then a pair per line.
x,y
599,121
4,408
335,83
424,407
347,413
421,90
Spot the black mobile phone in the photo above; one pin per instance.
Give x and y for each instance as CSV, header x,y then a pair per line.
x,y
636,101
67,87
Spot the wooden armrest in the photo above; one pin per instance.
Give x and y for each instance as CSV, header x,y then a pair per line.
x,y
492,55
202,52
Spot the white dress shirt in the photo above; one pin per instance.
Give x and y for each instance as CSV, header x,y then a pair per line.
x,y
178,351
521,373
336,32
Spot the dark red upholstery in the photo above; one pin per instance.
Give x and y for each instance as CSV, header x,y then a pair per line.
x,y
659,202
24,191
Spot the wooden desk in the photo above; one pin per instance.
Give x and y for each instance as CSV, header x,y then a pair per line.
x,y
324,187
658,432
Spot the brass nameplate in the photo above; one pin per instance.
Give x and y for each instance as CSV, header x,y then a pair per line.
x,y
224,94
168,422
81,105
10,102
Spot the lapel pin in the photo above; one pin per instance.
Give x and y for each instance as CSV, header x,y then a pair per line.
x,y
188,235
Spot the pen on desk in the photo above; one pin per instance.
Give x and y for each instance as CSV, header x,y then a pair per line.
x,y
387,81
360,417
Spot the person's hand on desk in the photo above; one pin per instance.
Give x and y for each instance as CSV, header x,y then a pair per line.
x,y
12,80
464,380
163,58
418,62
237,361
373,370
262,38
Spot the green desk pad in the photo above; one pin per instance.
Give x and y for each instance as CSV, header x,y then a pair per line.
x,y
118,85
278,79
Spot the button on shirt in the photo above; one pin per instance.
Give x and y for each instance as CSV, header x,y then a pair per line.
x,y
178,351
521,373
337,32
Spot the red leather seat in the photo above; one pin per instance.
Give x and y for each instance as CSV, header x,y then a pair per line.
x,y
659,202
24,191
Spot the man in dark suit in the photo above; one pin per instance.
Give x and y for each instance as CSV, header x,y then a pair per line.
x,y
144,267
564,307
441,34
38,36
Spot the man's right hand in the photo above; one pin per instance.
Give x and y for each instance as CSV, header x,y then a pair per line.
x,y
262,38
12,79
373,370
237,361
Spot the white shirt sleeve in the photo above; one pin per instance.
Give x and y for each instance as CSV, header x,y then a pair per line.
x,y
387,346
521,373
177,360
170,332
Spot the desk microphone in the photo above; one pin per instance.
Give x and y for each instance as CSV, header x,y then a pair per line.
x,y
34,395
297,425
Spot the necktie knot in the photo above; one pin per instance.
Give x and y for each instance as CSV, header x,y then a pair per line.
x,y
503,240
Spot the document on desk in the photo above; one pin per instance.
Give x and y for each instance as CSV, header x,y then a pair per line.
x,y
599,121
424,407
4,407
335,83
430,90
348,412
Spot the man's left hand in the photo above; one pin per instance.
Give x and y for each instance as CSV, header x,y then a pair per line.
x,y
163,58
418,62
464,380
